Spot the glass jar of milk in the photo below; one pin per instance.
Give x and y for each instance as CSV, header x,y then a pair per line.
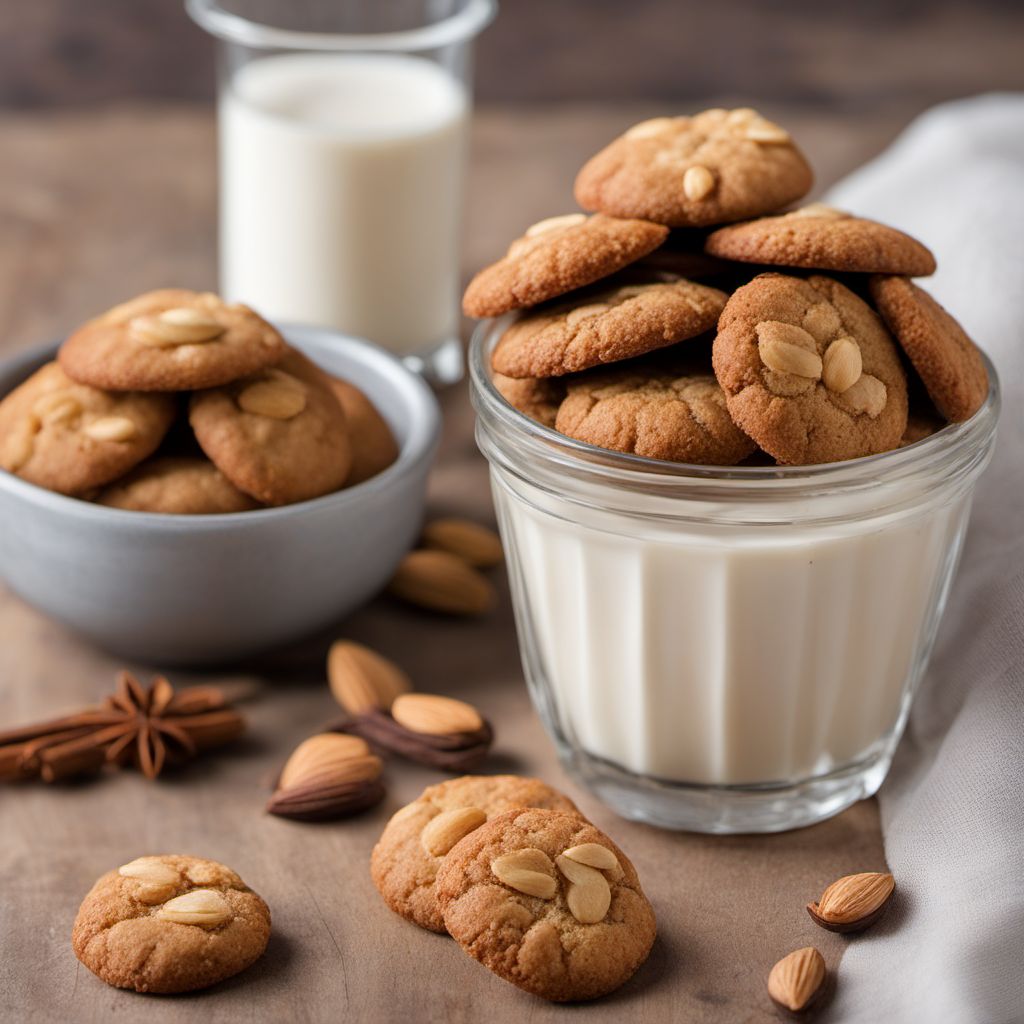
x,y
343,133
725,650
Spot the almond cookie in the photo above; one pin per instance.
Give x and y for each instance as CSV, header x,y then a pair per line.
x,y
809,370
715,167
408,855
945,358
606,326
176,485
556,256
821,238
536,397
170,924
279,436
373,444
170,340
547,902
70,437
647,409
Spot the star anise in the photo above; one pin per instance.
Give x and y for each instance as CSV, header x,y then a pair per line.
x,y
139,726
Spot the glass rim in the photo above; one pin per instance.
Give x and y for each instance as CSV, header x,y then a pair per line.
x,y
612,468
465,23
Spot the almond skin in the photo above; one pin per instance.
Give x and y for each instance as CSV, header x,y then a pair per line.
x,y
434,715
442,582
797,979
470,541
328,753
853,902
361,679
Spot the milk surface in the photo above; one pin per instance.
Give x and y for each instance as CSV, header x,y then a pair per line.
x,y
341,179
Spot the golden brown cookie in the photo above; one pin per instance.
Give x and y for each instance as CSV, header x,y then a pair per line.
x,y
408,855
170,924
919,426
279,436
715,167
176,485
373,445
676,414
70,437
547,902
536,397
606,326
809,370
945,358
818,237
170,340
556,256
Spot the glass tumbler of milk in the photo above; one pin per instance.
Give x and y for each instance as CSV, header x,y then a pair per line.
x,y
343,131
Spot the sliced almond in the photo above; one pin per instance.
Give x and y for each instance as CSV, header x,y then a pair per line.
x,y
442,832
698,183
588,895
330,755
867,395
150,869
434,715
594,855
442,582
183,325
528,871
841,365
203,907
111,428
787,348
279,397
473,543
853,902
361,679
797,979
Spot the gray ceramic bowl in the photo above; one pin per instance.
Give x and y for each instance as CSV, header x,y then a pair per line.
x,y
201,589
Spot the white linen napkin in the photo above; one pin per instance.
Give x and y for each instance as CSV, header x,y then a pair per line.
x,y
952,951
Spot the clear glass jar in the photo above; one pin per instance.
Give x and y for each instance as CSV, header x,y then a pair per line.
x,y
725,650
343,139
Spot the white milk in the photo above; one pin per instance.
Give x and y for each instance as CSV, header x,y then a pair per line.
x,y
726,656
341,179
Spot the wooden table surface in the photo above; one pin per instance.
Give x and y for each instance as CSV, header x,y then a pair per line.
x,y
97,206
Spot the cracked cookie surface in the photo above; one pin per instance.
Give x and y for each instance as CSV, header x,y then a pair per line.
x,y
715,167
810,371
556,256
402,868
821,238
170,340
170,923
70,437
606,326
532,898
536,397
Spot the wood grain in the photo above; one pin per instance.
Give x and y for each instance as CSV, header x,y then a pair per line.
x,y
95,207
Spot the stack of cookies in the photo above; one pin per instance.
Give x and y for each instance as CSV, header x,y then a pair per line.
x,y
178,402
690,319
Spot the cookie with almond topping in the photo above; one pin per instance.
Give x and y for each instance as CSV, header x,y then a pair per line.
x,y
947,361
279,436
71,438
819,237
547,902
170,924
556,256
416,840
170,340
809,370
715,167
606,326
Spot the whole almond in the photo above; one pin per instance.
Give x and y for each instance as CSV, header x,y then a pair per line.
x,y
329,754
528,871
853,902
442,582
203,907
156,879
797,979
787,348
442,832
841,365
472,542
868,395
435,715
361,679
183,325
698,183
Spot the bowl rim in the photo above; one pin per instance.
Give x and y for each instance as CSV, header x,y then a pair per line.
x,y
419,445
